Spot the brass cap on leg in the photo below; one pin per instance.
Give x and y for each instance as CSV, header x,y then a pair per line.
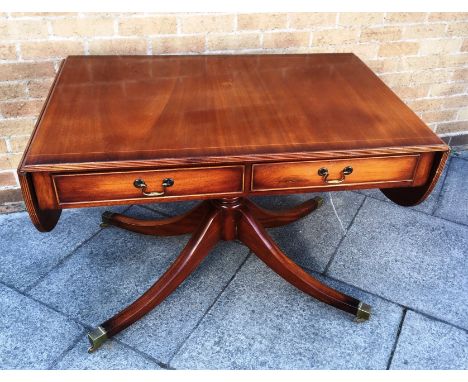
x,y
363,313
96,338
319,201
106,216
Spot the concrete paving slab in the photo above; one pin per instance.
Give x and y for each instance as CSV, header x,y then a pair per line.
x,y
408,257
430,345
262,322
27,254
111,356
32,336
453,203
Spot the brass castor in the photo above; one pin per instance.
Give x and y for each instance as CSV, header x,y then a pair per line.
x,y
96,338
106,215
363,313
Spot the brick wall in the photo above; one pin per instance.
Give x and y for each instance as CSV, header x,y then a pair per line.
x,y
423,57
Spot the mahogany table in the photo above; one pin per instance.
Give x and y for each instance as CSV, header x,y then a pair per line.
x,y
145,129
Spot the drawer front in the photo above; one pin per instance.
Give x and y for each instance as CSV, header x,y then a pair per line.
x,y
296,175
99,187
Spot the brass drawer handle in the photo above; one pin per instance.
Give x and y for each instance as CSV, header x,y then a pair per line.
x,y
323,172
140,183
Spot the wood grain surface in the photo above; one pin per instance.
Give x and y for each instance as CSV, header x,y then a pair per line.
x,y
121,109
199,181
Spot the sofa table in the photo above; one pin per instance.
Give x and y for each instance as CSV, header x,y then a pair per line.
x,y
220,129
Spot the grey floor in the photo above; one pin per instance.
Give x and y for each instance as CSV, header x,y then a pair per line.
x,y
410,264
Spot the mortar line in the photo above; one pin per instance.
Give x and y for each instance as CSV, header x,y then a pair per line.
x,y
143,354
332,257
428,316
395,343
51,307
62,355
209,308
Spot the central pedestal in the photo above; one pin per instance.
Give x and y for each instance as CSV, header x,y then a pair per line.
x,y
209,222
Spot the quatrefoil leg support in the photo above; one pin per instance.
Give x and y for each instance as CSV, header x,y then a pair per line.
x,y
178,225
210,222
270,219
254,236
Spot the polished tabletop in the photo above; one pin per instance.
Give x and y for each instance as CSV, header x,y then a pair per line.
x,y
131,108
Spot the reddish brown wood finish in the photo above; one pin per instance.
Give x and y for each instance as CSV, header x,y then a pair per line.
x,y
44,219
270,219
415,195
226,219
128,110
200,181
377,170
177,225
108,118
198,247
252,234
